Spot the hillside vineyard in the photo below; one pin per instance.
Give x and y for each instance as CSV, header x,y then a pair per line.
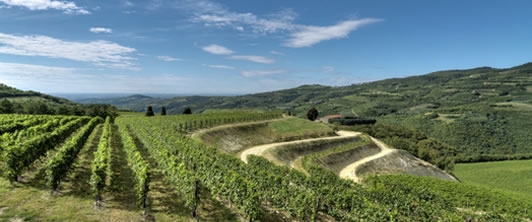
x,y
197,173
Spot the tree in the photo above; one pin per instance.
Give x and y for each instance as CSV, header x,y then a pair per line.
x,y
6,106
312,114
149,111
163,111
187,110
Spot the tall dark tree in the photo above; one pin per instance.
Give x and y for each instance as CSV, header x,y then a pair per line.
x,y
149,111
163,111
187,110
312,114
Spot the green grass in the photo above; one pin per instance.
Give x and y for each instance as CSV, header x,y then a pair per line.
x,y
509,176
515,106
296,127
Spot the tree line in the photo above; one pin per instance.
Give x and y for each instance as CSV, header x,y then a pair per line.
x,y
47,108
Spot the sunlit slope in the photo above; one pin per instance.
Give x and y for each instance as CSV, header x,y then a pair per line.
x,y
509,176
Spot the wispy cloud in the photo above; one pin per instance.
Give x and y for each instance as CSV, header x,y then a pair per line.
x,y
100,30
279,22
212,14
217,50
127,3
331,70
253,58
101,53
34,5
30,69
168,58
154,4
220,66
276,53
253,73
64,79
310,35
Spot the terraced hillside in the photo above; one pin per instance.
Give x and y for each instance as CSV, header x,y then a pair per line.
x,y
349,154
149,168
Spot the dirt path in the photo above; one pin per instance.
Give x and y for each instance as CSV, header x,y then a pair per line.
x,y
349,171
196,133
259,150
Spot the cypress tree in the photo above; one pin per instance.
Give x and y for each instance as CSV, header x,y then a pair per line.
x,y
149,111
312,114
187,110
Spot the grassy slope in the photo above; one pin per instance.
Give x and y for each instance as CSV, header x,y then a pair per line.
x,y
510,176
234,138
292,127
13,94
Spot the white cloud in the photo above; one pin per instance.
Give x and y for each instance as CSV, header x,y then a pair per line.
x,y
100,30
212,14
220,67
328,69
310,35
253,73
332,70
168,58
30,69
65,6
276,53
219,17
217,49
101,53
62,79
127,3
252,58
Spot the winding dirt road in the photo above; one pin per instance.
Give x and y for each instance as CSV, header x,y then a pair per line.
x,y
349,171
259,150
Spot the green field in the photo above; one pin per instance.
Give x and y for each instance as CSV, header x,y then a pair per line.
x,y
510,176
297,127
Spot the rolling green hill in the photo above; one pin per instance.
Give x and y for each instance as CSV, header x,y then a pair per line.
x,y
13,94
484,112
454,88
13,100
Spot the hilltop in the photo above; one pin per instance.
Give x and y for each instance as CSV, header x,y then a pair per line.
x,y
13,100
13,94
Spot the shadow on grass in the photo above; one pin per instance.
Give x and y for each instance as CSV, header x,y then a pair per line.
x,y
78,182
121,189
162,197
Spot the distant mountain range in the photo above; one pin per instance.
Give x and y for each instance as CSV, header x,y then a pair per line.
x,y
445,88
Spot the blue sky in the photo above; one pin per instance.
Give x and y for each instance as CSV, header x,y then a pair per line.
x,y
243,46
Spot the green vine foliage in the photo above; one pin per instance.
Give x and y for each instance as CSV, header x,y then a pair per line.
x,y
100,163
21,155
59,165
